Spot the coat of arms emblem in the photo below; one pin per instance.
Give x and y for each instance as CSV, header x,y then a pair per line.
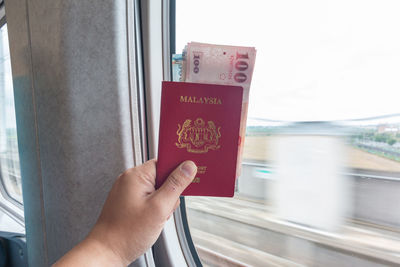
x,y
197,137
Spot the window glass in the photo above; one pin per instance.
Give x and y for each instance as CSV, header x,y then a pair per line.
x,y
321,170
9,157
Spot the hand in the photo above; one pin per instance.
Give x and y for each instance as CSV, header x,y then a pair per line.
x,y
132,217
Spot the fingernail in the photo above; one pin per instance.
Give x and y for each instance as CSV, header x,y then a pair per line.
x,y
188,168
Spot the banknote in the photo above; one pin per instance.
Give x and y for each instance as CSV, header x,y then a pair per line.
x,y
222,64
179,67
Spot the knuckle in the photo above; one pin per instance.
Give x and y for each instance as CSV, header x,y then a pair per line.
x,y
147,178
137,175
126,173
126,176
148,167
176,180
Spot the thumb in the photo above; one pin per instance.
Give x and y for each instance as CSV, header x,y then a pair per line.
x,y
176,182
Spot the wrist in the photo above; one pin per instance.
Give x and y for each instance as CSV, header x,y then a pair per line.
x,y
103,252
90,252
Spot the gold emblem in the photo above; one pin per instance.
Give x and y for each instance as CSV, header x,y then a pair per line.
x,y
197,137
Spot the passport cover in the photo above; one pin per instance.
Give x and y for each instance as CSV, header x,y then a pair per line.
x,y
200,122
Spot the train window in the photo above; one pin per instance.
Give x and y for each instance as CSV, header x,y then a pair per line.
x,y
320,178
9,157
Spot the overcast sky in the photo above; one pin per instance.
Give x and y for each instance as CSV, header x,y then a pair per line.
x,y
316,60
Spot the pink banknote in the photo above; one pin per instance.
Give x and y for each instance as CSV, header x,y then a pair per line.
x,y
221,64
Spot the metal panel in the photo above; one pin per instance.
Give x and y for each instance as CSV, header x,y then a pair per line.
x,y
26,119
73,106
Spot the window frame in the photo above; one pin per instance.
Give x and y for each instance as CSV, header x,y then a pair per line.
x,y
174,247
180,216
8,204
184,235
7,196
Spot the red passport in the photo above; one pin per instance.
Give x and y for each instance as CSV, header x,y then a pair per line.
x,y
200,122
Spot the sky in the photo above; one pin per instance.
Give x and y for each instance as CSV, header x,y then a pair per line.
x,y
316,59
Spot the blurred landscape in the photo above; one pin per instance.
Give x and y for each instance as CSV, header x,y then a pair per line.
x,y
310,194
